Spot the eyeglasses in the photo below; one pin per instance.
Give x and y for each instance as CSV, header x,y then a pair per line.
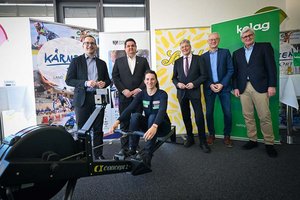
x,y
247,36
89,43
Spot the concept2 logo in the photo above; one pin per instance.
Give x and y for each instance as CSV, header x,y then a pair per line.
x,y
110,168
257,27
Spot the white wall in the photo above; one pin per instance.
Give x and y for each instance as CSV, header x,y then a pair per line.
x,y
293,11
197,13
15,54
16,64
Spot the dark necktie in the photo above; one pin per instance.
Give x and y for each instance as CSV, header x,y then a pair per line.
x,y
186,67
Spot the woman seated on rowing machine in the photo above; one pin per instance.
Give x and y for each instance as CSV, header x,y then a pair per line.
x,y
155,122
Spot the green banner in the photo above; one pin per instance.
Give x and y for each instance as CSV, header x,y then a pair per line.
x,y
266,26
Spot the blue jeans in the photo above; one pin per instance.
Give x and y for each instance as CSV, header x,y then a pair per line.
x,y
138,122
224,97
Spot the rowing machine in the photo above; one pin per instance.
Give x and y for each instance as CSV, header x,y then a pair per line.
x,y
38,161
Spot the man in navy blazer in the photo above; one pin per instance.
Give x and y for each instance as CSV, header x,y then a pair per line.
x,y
255,81
219,66
87,73
188,75
128,77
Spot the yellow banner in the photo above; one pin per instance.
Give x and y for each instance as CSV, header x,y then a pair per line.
x,y
167,51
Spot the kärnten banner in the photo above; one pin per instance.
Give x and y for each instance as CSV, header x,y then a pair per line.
x,y
53,47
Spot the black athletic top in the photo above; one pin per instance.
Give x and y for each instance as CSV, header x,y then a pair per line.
x,y
155,104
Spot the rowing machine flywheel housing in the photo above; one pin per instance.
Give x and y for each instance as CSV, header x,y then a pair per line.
x,y
27,164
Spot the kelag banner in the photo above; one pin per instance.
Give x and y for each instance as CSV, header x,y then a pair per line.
x,y
266,26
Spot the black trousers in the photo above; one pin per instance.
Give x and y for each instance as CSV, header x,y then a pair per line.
x,y
199,118
139,122
82,115
125,124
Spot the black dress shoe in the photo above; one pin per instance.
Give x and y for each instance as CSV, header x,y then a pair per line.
x,y
271,151
250,145
188,143
205,148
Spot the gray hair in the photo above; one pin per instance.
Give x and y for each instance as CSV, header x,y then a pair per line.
x,y
185,41
214,33
247,29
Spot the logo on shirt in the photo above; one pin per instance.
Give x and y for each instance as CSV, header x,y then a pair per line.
x,y
146,104
156,105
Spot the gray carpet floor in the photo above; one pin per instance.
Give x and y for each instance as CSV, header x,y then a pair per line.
x,y
188,173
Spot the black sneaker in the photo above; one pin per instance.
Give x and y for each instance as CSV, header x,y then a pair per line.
x,y
101,157
145,158
122,152
271,151
188,143
250,145
121,155
130,152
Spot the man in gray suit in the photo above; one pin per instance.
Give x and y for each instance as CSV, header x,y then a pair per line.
x,y
87,73
128,75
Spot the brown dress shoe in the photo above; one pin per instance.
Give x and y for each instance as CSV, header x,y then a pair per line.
x,y
227,141
210,139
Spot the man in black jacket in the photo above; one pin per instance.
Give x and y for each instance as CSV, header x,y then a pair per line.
x,y
128,75
255,81
87,73
188,75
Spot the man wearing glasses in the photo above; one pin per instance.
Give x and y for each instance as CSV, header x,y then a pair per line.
x,y
87,73
254,81
219,66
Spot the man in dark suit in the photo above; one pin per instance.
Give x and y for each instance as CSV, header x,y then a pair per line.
x,y
188,74
219,66
87,73
128,75
255,80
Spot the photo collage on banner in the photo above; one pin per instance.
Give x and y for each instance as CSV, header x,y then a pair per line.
x,y
167,51
53,47
112,46
266,26
289,65
289,50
